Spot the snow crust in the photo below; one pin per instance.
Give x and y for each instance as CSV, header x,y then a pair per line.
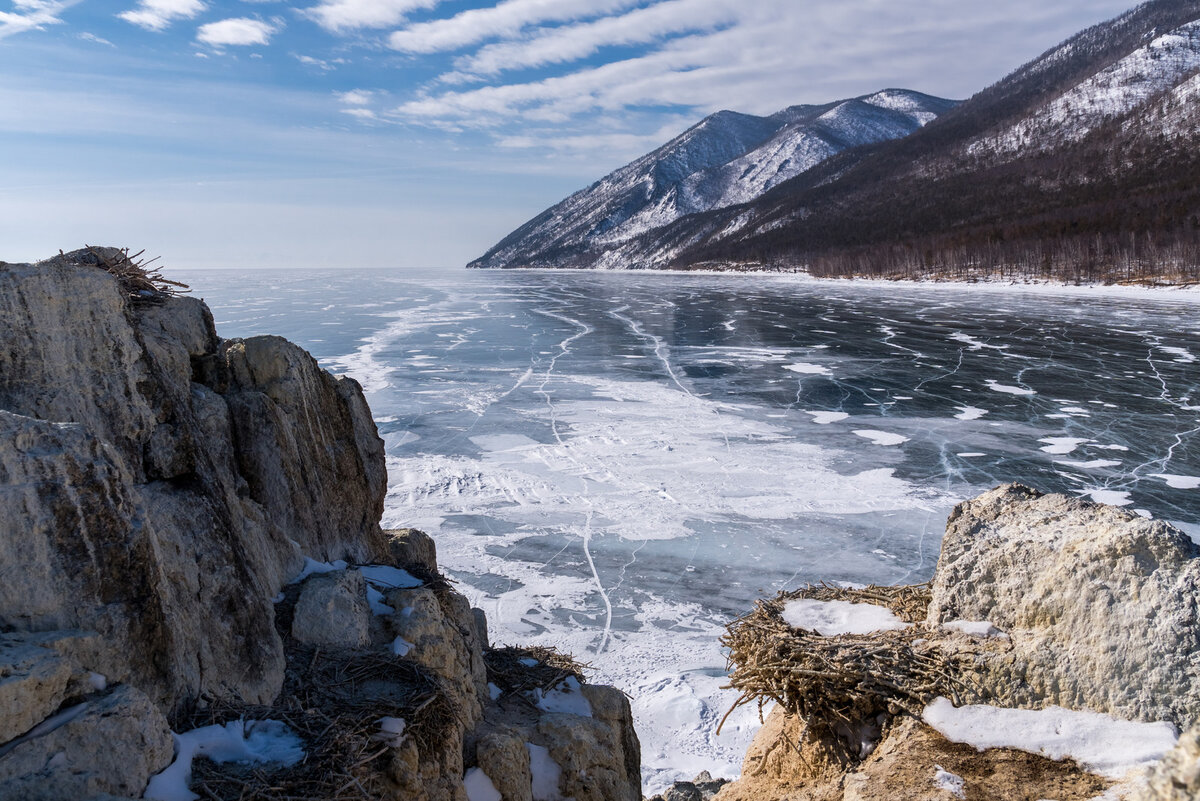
x,y
1100,743
566,698
885,438
479,787
546,773
831,618
976,628
950,782
255,741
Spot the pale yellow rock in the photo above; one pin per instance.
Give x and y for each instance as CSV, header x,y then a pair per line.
x,y
33,684
114,745
503,757
332,611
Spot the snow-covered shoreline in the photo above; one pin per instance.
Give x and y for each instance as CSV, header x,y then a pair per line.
x,y
1189,293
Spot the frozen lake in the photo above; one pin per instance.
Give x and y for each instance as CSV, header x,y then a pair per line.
x,y
618,464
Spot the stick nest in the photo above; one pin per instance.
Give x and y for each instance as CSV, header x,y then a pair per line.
x,y
520,670
846,679
141,282
334,703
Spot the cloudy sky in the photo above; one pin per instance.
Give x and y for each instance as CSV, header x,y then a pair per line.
x,y
270,133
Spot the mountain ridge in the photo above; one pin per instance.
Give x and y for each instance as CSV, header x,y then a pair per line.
x,y
1079,164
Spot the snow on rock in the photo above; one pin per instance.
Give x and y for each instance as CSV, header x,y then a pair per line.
x,y
313,567
1099,604
479,787
976,628
1138,77
1099,743
545,772
951,783
831,618
251,742
385,577
566,698
391,731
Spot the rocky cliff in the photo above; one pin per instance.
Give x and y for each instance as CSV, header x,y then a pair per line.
x,y
1056,654
189,533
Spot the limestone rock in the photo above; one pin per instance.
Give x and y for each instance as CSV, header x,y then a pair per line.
x,y
1101,605
33,685
503,757
434,642
158,485
410,547
113,744
332,610
1177,777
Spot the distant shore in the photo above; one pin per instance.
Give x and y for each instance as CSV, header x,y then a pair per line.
x,y
1182,292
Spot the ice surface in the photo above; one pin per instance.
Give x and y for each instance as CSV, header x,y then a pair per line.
x,y
479,787
949,782
545,773
617,465
1099,743
830,618
255,741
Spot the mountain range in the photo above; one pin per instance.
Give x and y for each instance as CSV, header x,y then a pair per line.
x,y
1082,164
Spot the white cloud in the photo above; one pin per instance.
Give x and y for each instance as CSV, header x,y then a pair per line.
x,y
503,20
91,37
236,32
30,15
355,97
338,16
157,15
573,42
318,63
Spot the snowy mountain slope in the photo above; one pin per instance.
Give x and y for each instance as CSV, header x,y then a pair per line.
x,y
1086,157
726,159
1147,72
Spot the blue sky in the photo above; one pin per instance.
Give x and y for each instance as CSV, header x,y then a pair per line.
x,y
406,133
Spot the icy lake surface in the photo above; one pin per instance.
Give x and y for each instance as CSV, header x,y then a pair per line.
x,y
618,464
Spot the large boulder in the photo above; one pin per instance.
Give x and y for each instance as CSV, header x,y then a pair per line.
x,y
159,485
1101,605
332,610
110,744
1177,777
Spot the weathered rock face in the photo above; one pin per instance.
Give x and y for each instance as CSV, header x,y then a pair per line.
x,y
159,485
1177,777
1101,605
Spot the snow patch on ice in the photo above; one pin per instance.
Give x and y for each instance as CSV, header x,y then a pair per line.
x,y
1008,389
1061,446
1110,497
808,369
885,438
831,618
1099,743
825,418
1179,482
970,413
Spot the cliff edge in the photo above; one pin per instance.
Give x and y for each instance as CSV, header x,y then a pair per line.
x,y
191,564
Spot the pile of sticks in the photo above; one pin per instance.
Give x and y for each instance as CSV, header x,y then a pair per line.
x,y
846,679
